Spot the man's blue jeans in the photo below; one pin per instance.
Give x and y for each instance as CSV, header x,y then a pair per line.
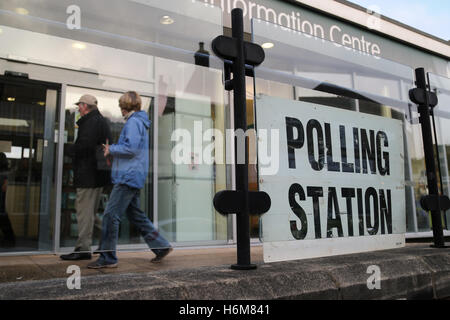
x,y
124,199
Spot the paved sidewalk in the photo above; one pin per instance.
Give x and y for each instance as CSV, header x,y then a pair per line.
x,y
42,267
413,272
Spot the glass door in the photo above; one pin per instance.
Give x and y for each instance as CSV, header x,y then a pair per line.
x,y
27,117
108,107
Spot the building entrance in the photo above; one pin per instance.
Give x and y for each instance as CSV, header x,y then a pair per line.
x,y
27,152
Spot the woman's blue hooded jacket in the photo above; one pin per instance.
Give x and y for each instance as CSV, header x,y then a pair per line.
x,y
130,154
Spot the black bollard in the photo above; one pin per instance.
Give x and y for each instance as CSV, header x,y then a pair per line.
x,y
433,202
241,201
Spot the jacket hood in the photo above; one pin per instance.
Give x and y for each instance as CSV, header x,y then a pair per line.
x,y
142,116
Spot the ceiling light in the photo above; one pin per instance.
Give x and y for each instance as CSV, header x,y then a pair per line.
x,y
21,11
166,20
41,103
267,45
79,45
11,99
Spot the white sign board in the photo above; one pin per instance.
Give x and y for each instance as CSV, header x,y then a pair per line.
x,y
339,187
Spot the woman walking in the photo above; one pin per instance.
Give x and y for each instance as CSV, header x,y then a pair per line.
x,y
128,174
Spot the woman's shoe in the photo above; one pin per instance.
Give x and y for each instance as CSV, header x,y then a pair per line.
x,y
162,253
101,264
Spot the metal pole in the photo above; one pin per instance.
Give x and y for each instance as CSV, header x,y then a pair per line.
x,y
240,201
424,111
240,121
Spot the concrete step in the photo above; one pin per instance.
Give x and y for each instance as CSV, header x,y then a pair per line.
x,y
413,272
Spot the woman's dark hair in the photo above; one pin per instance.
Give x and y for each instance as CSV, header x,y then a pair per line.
x,y
3,162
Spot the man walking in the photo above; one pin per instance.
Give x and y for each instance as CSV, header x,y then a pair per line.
x,y
129,172
89,178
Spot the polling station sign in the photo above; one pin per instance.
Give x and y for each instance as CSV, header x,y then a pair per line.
x,y
339,187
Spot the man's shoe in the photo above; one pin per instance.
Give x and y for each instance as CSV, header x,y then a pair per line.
x,y
101,264
77,256
97,251
162,253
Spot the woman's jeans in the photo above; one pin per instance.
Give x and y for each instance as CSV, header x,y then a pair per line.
x,y
124,199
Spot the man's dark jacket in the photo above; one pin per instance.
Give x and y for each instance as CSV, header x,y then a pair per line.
x,y
93,130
